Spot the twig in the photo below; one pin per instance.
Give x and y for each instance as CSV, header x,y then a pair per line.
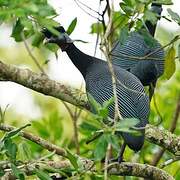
x,y
108,152
44,143
86,11
87,7
31,55
77,113
74,116
97,38
2,113
157,110
107,46
170,161
31,167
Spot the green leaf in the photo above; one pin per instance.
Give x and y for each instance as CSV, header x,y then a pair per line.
x,y
1,172
127,9
28,33
101,147
128,122
174,16
37,39
125,125
108,103
90,125
124,35
96,28
17,172
52,47
95,105
113,140
94,136
27,23
14,132
148,39
150,16
86,126
140,7
3,113
49,24
72,26
42,175
170,66
73,159
46,10
163,2
24,151
179,52
11,149
103,112
17,31
129,3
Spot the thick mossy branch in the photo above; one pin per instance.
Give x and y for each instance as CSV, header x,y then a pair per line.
x,y
123,169
41,83
138,170
163,138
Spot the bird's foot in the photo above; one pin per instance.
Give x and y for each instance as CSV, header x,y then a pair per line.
x,y
118,159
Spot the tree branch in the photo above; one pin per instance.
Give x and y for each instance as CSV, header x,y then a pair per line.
x,y
44,143
163,138
172,128
41,83
44,85
123,169
138,170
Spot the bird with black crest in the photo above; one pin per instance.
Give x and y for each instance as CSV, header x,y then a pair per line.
x,y
132,100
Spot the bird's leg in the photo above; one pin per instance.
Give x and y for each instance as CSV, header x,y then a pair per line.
x,y
120,156
121,152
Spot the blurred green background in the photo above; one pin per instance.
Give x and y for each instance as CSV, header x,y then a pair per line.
x,y
50,118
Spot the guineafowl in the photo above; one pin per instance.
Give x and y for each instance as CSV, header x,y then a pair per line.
x,y
141,55
132,100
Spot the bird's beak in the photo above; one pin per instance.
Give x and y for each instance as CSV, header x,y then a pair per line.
x,y
61,39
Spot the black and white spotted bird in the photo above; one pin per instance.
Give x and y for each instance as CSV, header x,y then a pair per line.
x,y
132,100
142,57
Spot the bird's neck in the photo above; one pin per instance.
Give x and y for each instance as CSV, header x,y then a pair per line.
x,y
80,60
157,9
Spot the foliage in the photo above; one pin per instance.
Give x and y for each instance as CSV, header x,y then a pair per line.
x,y
28,18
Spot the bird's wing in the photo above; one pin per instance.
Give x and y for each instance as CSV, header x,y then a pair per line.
x,y
126,55
132,100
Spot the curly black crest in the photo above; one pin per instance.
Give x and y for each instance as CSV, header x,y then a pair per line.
x,y
49,34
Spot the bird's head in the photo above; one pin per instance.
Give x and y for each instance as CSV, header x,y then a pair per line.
x,y
62,40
